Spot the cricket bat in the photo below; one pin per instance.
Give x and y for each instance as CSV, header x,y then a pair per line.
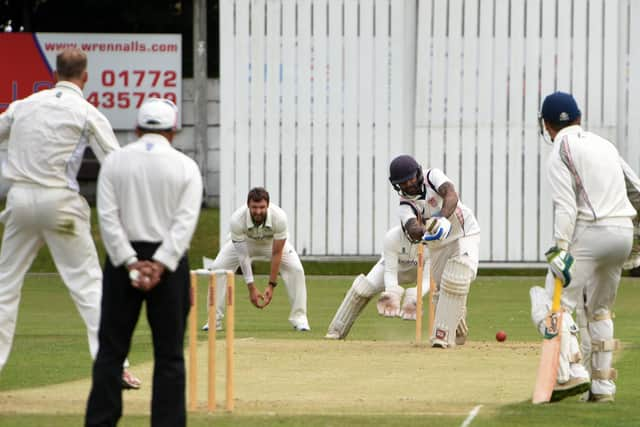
x,y
550,355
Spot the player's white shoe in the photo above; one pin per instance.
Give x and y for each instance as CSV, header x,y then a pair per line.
x,y
331,335
205,327
302,325
130,381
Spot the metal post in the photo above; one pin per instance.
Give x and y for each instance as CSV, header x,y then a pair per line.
x,y
200,124
621,89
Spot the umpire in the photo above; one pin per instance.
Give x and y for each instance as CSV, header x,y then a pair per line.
x,y
149,198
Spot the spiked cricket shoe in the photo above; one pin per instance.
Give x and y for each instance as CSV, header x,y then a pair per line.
x,y
575,385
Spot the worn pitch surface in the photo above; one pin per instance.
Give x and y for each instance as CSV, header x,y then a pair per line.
x,y
338,377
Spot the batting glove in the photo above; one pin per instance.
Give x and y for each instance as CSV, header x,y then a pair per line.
x,y
438,228
561,264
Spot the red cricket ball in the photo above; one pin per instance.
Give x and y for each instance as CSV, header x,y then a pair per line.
x,y
501,336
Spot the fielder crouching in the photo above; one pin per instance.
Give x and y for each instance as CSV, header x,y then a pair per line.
x,y
397,266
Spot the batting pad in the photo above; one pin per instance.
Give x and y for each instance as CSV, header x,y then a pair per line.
x,y
540,307
352,305
456,280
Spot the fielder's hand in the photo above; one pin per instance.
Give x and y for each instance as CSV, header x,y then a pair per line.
x,y
255,296
388,304
268,295
561,264
438,228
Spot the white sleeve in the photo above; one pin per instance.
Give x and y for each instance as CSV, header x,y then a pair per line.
x,y
185,219
114,237
280,227
405,213
563,195
238,229
390,255
633,184
242,250
435,178
101,138
6,119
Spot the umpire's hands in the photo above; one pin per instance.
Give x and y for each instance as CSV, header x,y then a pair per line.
x,y
255,296
145,275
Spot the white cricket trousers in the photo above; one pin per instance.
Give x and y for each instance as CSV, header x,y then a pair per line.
x,y
59,217
291,271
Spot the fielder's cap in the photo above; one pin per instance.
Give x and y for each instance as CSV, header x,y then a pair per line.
x,y
158,114
560,107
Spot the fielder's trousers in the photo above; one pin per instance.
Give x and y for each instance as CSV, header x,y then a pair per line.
x,y
167,307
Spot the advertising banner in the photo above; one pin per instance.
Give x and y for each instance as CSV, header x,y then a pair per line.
x,y
124,69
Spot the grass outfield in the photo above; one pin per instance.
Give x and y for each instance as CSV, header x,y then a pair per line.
x,y
284,378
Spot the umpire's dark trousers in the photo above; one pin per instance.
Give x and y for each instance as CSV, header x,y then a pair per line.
x,y
167,309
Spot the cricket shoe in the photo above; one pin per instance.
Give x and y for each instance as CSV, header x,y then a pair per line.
x,y
600,398
130,381
205,327
575,385
332,335
302,325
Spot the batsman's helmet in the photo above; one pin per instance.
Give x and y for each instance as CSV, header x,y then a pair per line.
x,y
402,169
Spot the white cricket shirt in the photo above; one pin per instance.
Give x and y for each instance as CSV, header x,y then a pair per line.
x,y
587,181
463,221
148,191
274,226
48,133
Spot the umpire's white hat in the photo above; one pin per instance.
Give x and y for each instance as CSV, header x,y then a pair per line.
x,y
158,114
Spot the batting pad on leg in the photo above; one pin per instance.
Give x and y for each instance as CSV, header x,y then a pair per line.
x,y
354,302
602,347
540,307
456,280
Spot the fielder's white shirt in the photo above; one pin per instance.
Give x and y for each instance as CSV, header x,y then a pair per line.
x,y
587,182
148,191
463,221
400,256
48,133
274,226
244,231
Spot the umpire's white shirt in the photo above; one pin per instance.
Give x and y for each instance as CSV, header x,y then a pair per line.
x,y
49,151
159,192
587,181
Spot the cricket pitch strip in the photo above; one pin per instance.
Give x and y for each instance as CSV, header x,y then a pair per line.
x,y
292,377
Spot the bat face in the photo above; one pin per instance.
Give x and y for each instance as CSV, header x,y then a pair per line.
x,y
549,360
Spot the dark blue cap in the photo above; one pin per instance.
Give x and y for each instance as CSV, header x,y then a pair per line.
x,y
560,107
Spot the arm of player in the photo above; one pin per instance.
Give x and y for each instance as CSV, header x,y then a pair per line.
x,y
114,237
388,304
244,259
185,219
6,119
276,258
563,195
449,199
101,138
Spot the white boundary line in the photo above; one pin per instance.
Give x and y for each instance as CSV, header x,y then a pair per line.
x,y
471,416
